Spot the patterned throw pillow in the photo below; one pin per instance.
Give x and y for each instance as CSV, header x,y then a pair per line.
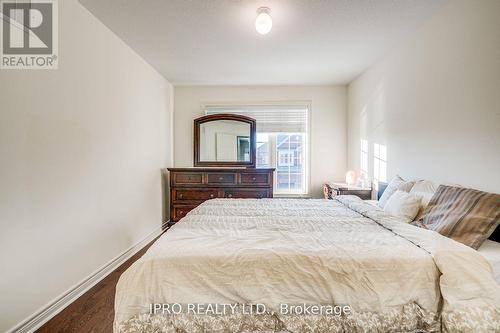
x,y
466,215
396,184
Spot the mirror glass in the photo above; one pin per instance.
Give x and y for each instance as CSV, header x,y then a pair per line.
x,y
224,141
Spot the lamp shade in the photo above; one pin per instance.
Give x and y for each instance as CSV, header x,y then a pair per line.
x,y
350,177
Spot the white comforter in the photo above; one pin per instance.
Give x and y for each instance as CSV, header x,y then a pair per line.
x,y
394,276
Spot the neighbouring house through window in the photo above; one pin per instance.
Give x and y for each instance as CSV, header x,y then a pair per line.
x,y
282,142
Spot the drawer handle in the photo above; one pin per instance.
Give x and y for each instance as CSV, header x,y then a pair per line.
x,y
221,178
229,195
211,195
180,196
181,212
253,178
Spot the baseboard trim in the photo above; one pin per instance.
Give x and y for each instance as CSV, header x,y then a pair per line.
x,y
44,314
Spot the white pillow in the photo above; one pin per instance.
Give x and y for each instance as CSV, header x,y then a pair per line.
x,y
396,184
425,189
404,205
424,186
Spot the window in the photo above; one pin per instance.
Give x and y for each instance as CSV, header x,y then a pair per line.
x,y
364,158
380,162
281,143
290,174
263,151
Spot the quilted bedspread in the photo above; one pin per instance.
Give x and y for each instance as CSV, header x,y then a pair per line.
x,y
393,277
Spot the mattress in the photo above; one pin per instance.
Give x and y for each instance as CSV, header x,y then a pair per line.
x,y
273,252
490,250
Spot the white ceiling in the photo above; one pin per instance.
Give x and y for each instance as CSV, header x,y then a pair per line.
x,y
215,42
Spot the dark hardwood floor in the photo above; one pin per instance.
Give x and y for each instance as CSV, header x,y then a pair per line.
x,y
94,310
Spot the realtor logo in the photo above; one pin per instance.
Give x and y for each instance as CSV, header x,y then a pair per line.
x,y
29,34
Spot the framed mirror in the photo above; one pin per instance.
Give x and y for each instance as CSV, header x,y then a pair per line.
x,y
224,140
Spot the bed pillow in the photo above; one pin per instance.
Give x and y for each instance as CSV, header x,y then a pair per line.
x,y
466,215
404,205
425,189
396,184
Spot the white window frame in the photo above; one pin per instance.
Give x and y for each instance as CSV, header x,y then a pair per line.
x,y
379,160
308,140
364,157
305,178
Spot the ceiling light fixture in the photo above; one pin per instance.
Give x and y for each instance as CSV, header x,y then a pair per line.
x,y
263,22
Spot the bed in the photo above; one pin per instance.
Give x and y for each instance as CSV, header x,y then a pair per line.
x,y
490,250
392,276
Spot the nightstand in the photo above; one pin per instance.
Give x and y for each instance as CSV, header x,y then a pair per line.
x,y
332,189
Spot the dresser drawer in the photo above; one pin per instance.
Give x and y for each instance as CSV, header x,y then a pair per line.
x,y
190,187
221,178
246,194
254,178
187,178
179,211
194,194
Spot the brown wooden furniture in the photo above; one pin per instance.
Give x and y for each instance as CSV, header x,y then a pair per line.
x,y
189,187
198,140
332,189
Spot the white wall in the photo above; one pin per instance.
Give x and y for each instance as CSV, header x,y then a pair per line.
x,y
435,100
81,149
328,122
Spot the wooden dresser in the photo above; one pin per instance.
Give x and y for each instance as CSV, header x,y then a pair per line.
x,y
189,187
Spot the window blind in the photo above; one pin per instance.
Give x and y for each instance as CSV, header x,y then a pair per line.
x,y
269,119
